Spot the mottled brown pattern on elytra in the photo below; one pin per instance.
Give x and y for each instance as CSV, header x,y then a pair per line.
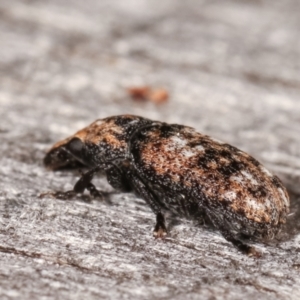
x,y
193,159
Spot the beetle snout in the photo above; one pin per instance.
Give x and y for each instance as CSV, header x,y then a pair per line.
x,y
57,158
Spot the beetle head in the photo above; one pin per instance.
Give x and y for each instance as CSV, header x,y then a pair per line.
x,y
66,154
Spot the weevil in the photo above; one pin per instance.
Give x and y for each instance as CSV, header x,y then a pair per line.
x,y
174,168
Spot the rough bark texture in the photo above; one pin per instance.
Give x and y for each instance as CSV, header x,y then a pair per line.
x,y
232,69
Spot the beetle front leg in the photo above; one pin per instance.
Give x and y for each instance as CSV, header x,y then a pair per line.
x,y
160,229
83,183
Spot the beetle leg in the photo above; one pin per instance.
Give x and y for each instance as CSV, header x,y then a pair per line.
x,y
160,230
59,195
142,190
117,179
83,183
93,191
249,250
85,180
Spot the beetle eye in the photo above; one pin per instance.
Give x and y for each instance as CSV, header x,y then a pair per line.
x,y
75,146
62,155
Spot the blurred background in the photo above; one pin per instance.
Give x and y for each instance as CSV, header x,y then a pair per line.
x,y
223,67
228,68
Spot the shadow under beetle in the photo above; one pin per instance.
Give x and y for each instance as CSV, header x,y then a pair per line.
x,y
174,168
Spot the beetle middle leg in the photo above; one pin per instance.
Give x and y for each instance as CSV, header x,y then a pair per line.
x,y
116,177
160,229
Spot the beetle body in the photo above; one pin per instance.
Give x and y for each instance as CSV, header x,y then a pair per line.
x,y
174,168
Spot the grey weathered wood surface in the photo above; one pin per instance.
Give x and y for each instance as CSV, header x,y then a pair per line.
x,y
232,69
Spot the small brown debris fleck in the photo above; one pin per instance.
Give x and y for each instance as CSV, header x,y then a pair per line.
x,y
139,93
146,93
159,96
